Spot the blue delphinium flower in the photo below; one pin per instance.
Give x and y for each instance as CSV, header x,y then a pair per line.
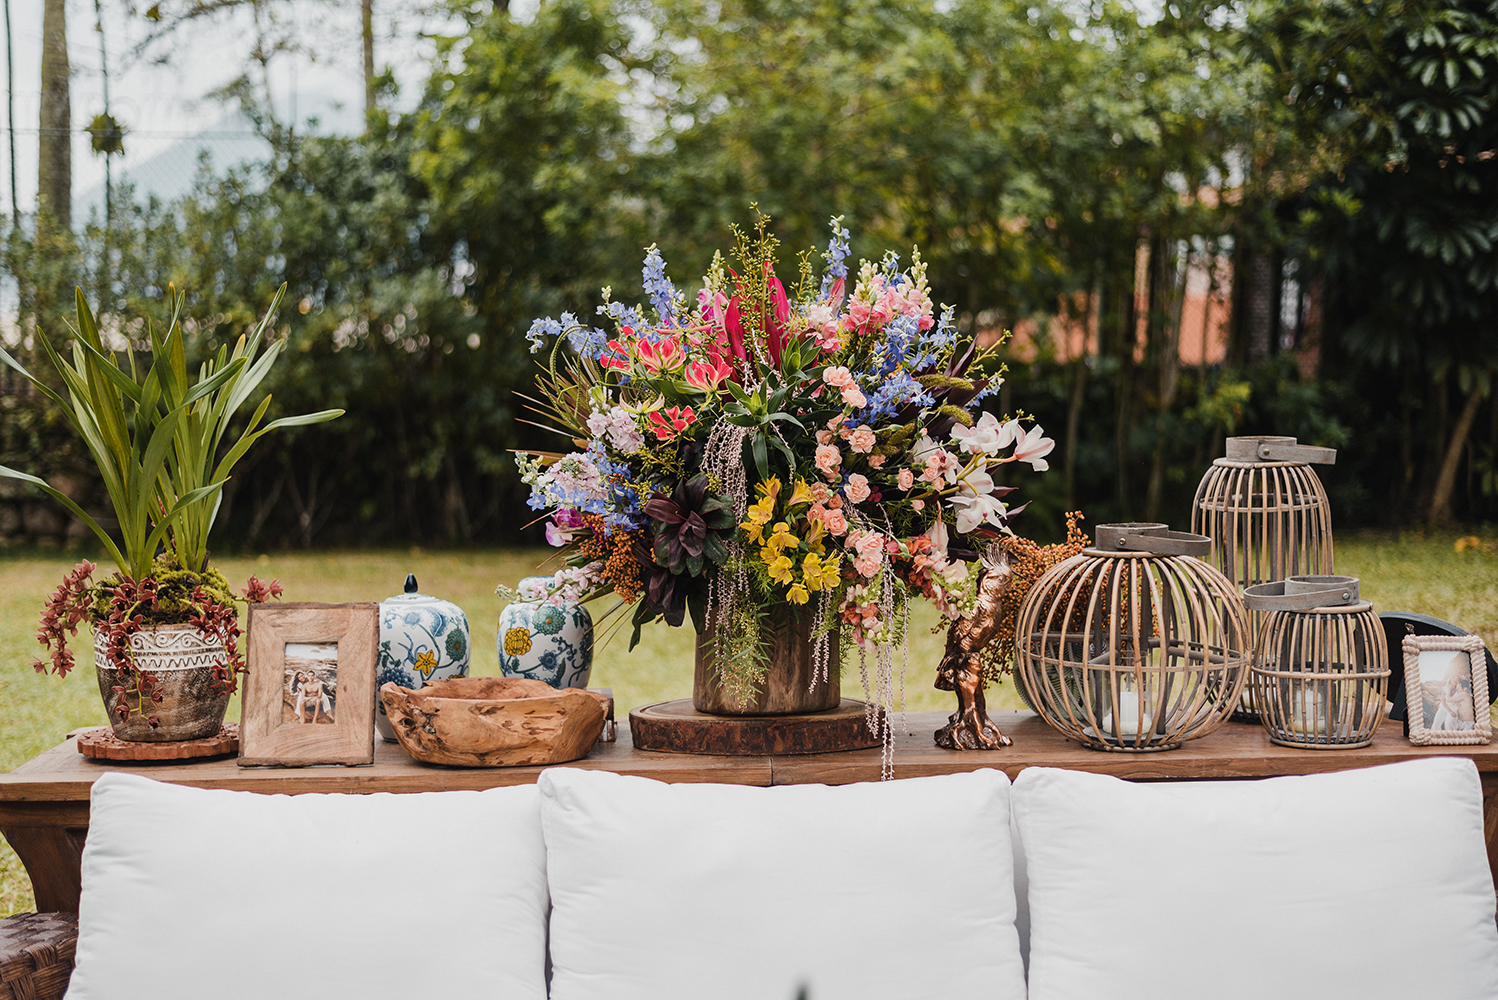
x,y
540,330
835,255
663,295
623,315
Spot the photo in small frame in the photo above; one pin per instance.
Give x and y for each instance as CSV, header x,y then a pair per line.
x,y
310,688
309,695
1446,681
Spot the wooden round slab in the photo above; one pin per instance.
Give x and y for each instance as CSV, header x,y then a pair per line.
x,y
102,744
675,727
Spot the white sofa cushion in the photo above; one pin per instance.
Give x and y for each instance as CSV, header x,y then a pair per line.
x,y
192,893
681,892
1368,884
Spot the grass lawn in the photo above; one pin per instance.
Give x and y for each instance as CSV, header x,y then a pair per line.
x,y
1412,572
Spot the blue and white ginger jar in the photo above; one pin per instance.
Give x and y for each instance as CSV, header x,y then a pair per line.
x,y
545,641
422,639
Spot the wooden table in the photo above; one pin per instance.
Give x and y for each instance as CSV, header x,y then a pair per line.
x,y
44,802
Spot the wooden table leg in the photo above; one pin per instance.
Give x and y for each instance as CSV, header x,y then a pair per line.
x,y
53,857
48,838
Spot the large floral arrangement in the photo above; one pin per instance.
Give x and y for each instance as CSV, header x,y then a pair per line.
x,y
752,447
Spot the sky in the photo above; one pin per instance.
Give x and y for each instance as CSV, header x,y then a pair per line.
x,y
161,94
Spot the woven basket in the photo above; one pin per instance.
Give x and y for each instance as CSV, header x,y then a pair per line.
x,y
1321,663
1267,514
36,955
1127,647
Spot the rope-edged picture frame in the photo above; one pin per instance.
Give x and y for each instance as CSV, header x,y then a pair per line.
x,y
1446,679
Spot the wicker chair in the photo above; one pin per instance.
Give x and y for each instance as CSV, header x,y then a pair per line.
x,y
36,955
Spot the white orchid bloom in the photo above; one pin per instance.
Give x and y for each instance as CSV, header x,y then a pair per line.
x,y
973,511
1032,446
978,483
985,437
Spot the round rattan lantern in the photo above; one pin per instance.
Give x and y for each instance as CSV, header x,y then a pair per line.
x,y
1133,645
1320,674
1267,514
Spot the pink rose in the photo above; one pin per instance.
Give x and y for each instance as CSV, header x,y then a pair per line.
x,y
875,461
905,479
828,459
835,521
918,504
857,487
855,398
862,440
824,437
820,493
866,567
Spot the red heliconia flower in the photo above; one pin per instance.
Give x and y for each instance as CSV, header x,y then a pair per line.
x,y
663,355
706,376
776,333
616,355
671,424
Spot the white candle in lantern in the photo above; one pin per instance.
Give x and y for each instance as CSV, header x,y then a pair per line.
x,y
1307,713
1130,722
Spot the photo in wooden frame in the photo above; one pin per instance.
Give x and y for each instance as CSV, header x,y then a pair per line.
x,y
1446,679
309,696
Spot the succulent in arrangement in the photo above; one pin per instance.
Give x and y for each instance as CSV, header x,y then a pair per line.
x,y
157,434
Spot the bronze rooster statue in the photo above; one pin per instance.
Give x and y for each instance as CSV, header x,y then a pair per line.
x,y
969,728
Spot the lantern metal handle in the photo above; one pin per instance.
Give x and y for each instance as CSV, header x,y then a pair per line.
x,y
1302,593
1276,448
1150,537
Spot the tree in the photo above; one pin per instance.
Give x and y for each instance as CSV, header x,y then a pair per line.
x,y
1402,96
55,152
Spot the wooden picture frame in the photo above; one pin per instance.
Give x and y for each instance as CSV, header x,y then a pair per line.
x,y
1455,683
309,696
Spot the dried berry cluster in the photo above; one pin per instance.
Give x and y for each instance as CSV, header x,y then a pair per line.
x,y
119,607
621,568
1028,562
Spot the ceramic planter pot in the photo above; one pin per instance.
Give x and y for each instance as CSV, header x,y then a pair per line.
x,y
192,705
422,639
545,641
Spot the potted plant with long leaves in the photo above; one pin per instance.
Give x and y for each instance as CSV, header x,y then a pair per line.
x,y
165,624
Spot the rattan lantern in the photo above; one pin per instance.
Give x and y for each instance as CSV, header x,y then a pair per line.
x,y
1267,514
1320,675
1133,645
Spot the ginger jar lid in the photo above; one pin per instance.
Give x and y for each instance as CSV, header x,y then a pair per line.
x,y
412,599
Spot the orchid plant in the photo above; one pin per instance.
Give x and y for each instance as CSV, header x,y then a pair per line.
x,y
156,434
823,446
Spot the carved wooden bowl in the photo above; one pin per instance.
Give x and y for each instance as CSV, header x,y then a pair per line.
x,y
493,721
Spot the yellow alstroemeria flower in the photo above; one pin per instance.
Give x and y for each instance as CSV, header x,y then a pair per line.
x,y
753,530
820,574
815,532
782,537
800,495
798,594
780,569
768,490
761,513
